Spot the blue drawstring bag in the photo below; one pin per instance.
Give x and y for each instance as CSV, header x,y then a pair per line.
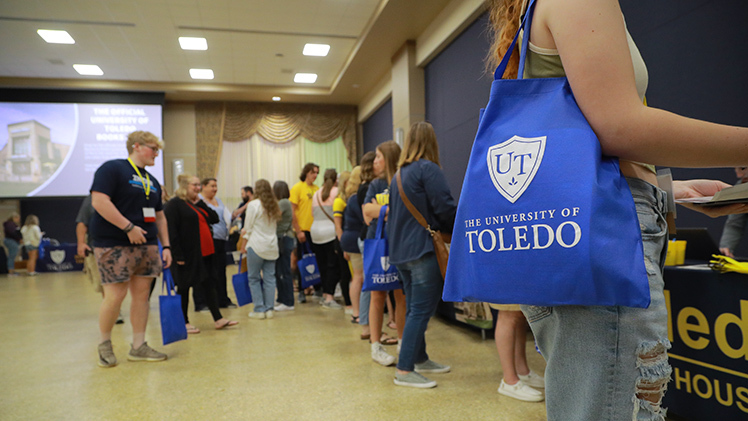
x,y
544,218
308,268
379,275
173,327
241,287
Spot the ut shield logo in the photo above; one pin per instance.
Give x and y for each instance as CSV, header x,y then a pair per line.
x,y
310,268
58,256
513,164
385,261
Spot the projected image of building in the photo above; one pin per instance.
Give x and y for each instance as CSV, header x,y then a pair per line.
x,y
30,156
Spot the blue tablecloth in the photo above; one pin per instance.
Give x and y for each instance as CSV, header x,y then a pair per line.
x,y
60,258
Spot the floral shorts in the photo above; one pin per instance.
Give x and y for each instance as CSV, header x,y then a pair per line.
x,y
119,264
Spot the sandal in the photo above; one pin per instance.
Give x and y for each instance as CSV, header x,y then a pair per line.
x,y
365,336
192,329
392,325
354,320
227,324
387,340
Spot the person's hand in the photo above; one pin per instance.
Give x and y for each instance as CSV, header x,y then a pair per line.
x,y
686,189
726,252
166,257
346,256
83,249
301,236
137,235
180,262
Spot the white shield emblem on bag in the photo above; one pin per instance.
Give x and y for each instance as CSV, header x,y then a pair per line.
x,y
310,268
385,260
58,256
513,164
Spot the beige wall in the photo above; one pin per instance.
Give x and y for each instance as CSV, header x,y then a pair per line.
x,y
179,136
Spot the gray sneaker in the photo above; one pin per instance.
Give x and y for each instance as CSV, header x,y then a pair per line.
x,y
431,367
106,355
145,353
413,379
332,305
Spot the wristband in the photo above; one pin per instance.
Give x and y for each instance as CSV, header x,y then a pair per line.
x,y
128,228
166,247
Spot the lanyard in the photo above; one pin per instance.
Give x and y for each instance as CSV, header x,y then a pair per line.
x,y
147,187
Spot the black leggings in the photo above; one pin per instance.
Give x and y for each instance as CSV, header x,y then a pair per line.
x,y
197,275
329,265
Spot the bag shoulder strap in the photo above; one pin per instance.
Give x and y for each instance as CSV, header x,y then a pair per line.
x,y
323,208
413,211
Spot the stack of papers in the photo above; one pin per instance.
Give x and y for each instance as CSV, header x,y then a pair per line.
x,y
726,196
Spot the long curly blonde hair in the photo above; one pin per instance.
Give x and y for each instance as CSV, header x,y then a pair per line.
x,y
505,19
264,193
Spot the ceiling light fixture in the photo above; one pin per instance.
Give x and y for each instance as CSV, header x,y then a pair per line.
x,y
305,78
88,69
193,43
319,50
55,37
201,73
276,98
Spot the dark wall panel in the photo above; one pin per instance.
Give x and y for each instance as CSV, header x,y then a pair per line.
x,y
456,89
56,216
378,127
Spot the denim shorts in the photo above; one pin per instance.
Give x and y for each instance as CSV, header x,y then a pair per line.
x,y
598,357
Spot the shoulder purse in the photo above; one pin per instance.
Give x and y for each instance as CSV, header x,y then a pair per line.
x,y
543,218
437,237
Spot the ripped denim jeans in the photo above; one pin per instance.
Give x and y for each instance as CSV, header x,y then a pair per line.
x,y
610,363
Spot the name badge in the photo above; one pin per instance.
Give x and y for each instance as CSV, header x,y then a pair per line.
x,y
149,214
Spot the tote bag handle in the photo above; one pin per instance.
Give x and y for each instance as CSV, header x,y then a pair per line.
x,y
526,21
381,232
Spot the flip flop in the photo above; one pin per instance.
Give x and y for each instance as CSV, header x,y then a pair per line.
x,y
228,323
192,329
365,336
354,320
392,325
387,340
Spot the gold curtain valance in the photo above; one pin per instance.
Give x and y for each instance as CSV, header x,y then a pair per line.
x,y
280,123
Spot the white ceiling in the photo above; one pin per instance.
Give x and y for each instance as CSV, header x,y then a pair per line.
x,y
254,46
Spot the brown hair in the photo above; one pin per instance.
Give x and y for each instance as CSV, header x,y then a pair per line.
x,y
331,176
205,181
308,167
31,220
391,152
264,193
420,144
280,190
505,19
367,167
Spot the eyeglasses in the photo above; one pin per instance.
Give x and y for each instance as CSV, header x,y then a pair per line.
x,y
155,149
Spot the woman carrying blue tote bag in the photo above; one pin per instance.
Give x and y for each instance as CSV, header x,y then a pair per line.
x,y
241,286
379,274
173,327
544,218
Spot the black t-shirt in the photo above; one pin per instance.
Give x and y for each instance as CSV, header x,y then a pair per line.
x,y
118,180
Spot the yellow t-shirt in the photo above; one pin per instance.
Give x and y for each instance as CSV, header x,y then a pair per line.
x,y
301,196
338,207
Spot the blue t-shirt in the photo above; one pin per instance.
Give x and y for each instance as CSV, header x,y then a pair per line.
x,y
353,222
426,187
118,180
379,190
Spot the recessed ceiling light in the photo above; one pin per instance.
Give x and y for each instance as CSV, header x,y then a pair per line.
x,y
55,37
88,69
305,78
319,50
193,43
201,73
276,98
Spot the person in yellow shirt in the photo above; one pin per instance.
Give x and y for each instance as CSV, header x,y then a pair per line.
x,y
301,202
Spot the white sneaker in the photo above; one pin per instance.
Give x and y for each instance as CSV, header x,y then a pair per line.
x,y
283,307
381,356
520,391
269,314
256,315
533,379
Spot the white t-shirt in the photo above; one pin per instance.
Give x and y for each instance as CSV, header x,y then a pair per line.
x,y
323,229
260,231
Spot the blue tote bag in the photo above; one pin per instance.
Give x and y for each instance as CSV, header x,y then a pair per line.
x,y
308,268
173,327
379,275
544,218
241,287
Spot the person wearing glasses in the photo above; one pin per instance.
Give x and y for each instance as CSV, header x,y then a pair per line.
x,y
126,227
